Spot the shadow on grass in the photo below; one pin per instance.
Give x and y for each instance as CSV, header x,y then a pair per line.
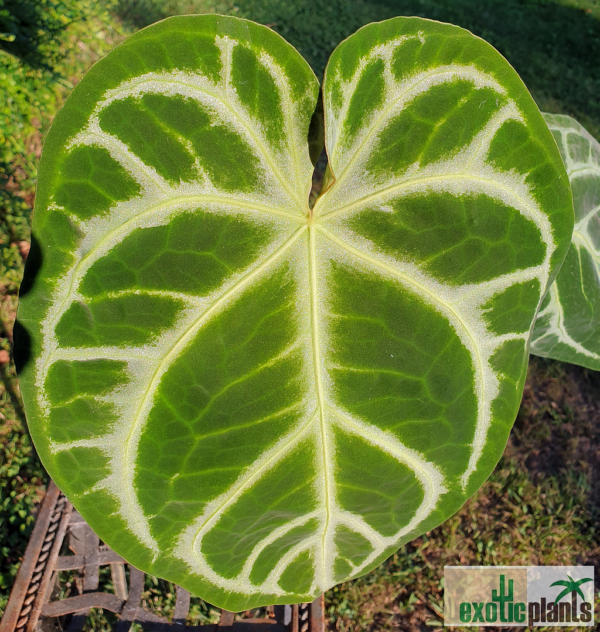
x,y
22,339
558,425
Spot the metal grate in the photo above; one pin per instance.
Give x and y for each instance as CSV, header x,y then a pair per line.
x,y
30,605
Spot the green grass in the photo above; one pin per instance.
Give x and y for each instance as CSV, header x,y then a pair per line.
x,y
30,97
540,506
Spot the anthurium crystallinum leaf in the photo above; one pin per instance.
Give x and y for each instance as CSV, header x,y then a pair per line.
x,y
568,324
255,399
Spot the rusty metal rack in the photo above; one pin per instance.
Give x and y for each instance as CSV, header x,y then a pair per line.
x,y
31,608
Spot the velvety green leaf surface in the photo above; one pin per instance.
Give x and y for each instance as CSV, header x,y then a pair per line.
x,y
568,324
251,398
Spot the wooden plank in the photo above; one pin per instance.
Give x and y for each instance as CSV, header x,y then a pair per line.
x,y
83,602
54,535
182,606
20,590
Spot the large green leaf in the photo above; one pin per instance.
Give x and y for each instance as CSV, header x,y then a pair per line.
x,y
568,325
255,399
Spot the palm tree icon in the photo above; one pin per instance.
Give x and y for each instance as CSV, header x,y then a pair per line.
x,y
571,586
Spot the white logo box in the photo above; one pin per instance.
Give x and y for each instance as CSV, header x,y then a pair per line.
x,y
519,596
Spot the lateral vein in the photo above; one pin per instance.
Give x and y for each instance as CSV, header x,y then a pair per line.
x,y
478,364
405,97
236,115
240,485
407,184
143,409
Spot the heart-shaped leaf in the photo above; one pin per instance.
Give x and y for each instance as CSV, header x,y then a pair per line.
x,y
568,325
256,399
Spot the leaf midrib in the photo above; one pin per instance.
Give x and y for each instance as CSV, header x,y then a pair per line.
x,y
320,396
